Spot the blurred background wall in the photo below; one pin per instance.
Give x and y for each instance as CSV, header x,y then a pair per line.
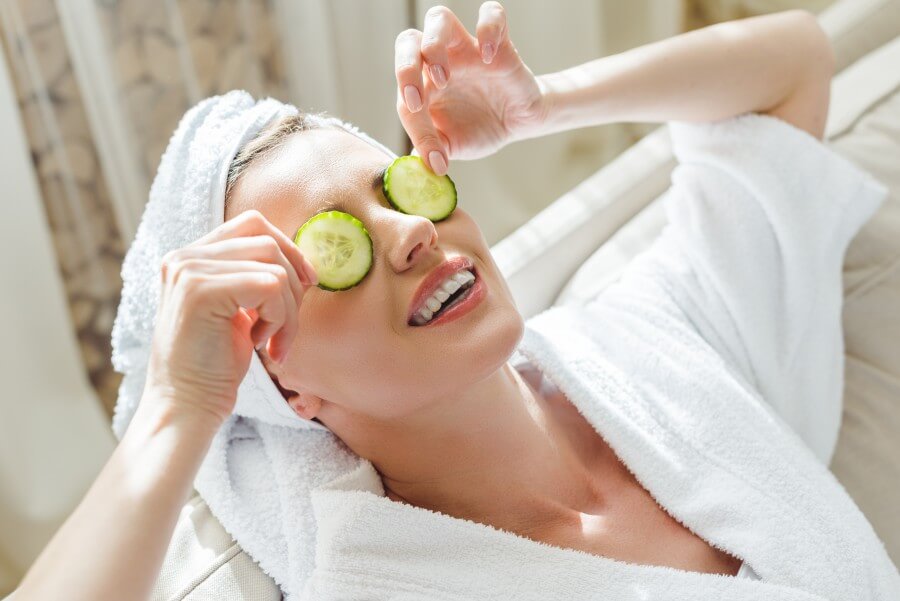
x,y
91,90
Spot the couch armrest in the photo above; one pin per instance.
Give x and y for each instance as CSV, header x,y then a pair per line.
x,y
539,257
203,563
856,27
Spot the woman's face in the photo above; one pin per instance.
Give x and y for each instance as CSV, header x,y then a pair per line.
x,y
355,349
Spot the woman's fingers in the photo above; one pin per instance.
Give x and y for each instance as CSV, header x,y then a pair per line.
x,y
417,122
491,29
278,321
249,241
262,248
257,289
408,68
442,32
443,35
252,222
424,137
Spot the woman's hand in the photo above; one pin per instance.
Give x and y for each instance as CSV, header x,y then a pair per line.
x,y
223,295
477,95
238,286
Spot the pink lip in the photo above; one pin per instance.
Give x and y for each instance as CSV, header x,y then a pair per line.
x,y
435,279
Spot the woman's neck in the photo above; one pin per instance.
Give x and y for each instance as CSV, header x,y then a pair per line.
x,y
494,453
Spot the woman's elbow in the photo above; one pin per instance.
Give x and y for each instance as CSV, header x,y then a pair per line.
x,y
806,107
822,60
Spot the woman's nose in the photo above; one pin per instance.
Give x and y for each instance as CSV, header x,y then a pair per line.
x,y
413,237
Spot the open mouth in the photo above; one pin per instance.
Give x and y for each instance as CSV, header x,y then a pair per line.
x,y
451,293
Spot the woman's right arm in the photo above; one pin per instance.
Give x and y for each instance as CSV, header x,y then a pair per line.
x,y
232,290
779,64
465,97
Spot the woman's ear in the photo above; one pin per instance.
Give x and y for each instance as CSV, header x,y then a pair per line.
x,y
304,404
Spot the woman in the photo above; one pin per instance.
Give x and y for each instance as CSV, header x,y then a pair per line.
x,y
448,422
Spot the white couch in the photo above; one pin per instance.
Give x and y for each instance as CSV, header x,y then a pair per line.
x,y
581,242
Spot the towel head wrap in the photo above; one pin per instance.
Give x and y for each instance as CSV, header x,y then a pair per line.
x,y
186,202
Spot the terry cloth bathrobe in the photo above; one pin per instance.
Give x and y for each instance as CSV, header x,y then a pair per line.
x,y
714,369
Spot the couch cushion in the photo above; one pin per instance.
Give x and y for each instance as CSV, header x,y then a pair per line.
x,y
857,27
867,131
203,563
867,459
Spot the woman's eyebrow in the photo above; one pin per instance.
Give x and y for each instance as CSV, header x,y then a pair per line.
x,y
378,181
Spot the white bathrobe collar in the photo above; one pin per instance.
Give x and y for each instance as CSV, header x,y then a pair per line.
x,y
741,480
431,555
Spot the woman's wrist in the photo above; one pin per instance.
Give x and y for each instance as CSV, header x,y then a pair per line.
x,y
186,402
565,104
172,410
552,111
542,114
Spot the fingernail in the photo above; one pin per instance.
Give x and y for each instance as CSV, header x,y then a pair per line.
x,y
438,164
413,100
438,75
487,52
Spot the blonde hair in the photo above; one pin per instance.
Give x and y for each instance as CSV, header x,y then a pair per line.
x,y
265,142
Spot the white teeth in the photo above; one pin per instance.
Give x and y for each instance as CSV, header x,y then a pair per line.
x,y
463,276
453,283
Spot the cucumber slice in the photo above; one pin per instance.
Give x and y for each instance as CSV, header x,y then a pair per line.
x,y
411,187
339,248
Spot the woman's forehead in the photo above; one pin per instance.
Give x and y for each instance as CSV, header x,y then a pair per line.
x,y
316,163
307,171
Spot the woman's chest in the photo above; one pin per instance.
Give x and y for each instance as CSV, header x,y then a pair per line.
x,y
630,526
633,528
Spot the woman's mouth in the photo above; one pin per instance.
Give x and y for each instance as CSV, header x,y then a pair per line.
x,y
457,295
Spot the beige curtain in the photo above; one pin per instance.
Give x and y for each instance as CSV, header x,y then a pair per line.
x,y
53,432
96,88
88,243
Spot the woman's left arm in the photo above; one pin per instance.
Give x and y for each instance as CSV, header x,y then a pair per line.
x,y
779,64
